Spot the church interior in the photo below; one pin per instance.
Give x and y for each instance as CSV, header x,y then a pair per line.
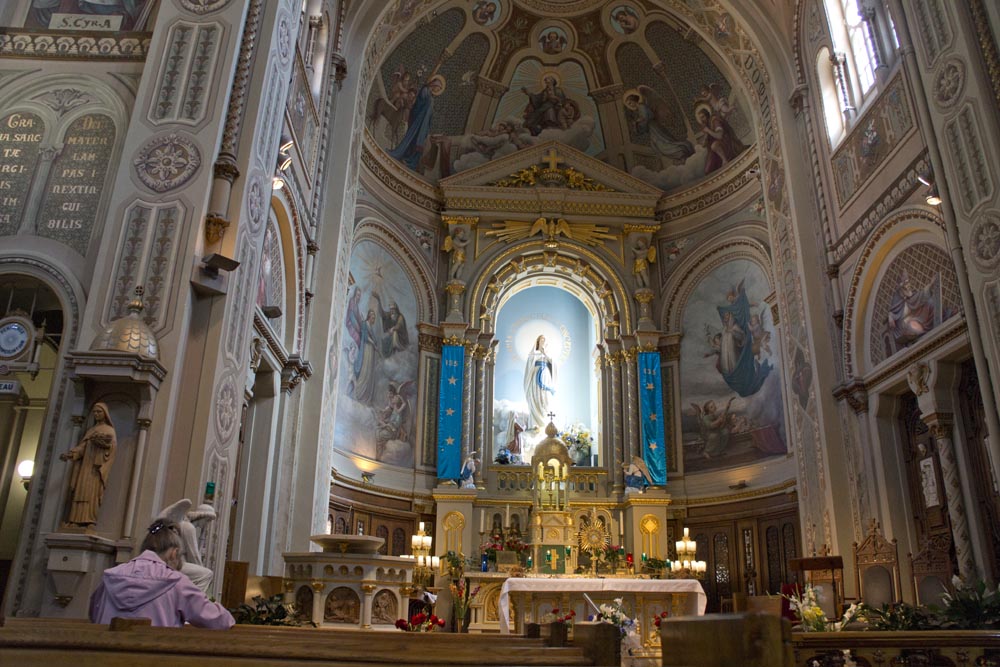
x,y
625,289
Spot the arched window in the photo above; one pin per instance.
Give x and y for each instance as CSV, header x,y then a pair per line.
x,y
853,35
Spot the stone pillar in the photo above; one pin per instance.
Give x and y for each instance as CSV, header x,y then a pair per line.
x,y
942,428
366,606
631,410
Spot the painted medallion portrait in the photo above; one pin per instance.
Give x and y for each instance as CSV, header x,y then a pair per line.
x,y
624,19
486,12
552,40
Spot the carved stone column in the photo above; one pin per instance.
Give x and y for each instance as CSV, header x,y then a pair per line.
x,y
631,408
942,427
614,424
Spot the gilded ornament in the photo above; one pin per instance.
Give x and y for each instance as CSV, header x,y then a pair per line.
x,y
551,228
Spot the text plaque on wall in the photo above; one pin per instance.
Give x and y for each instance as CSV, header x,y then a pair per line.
x,y
73,193
20,140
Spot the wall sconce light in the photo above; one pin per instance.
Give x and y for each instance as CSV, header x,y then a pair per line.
x,y
367,477
26,469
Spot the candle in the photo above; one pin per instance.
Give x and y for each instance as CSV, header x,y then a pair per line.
x,y
643,556
530,562
421,526
482,522
686,535
508,516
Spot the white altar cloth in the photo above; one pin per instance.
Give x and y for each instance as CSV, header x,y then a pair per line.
x,y
694,593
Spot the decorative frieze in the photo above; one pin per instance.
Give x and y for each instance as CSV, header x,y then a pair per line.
x,y
968,154
985,241
186,73
63,46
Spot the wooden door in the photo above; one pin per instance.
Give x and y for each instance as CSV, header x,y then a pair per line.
x,y
717,547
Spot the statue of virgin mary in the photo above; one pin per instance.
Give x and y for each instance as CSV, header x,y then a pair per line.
x,y
539,384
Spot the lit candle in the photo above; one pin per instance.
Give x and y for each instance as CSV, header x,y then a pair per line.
x,y
680,546
421,526
482,521
530,562
686,535
508,516
426,541
643,556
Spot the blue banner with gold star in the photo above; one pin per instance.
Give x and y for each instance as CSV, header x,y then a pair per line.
x,y
654,451
449,458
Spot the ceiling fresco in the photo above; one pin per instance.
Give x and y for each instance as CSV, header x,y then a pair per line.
x,y
473,80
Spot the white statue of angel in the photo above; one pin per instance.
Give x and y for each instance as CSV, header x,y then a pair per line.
x,y
191,562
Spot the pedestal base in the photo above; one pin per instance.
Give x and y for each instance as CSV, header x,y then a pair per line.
x,y
75,565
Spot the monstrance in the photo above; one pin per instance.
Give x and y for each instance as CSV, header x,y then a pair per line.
x,y
594,538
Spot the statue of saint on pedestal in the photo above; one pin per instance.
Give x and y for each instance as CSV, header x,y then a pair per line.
x,y
92,458
539,384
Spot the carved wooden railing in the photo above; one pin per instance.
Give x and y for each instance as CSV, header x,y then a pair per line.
x,y
898,649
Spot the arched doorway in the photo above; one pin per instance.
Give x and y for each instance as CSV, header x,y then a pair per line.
x,y
31,333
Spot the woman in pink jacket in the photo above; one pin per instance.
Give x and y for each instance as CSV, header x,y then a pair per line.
x,y
150,586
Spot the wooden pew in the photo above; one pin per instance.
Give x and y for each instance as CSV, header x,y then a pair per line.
x,y
725,640
78,644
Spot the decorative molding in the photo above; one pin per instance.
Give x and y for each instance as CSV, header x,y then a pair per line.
x,y
59,45
227,407
984,241
241,80
967,152
949,82
737,180
391,179
167,162
987,46
890,201
185,78
202,7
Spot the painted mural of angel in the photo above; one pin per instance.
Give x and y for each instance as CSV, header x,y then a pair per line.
x,y
714,426
637,476
648,113
394,418
191,564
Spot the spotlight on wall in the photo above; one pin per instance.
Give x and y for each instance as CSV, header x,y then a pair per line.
x,y
271,312
283,163
215,262
933,198
367,477
26,469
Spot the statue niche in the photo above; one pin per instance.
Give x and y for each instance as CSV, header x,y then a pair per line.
x,y
91,460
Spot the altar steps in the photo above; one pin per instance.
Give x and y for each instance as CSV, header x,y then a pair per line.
x,y
79,644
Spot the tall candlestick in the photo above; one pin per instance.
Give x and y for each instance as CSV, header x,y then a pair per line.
x,y
508,516
482,521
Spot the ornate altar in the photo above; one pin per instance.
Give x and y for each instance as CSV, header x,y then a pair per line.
x,y
348,584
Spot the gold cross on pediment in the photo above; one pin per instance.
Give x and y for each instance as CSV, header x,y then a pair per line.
x,y
552,159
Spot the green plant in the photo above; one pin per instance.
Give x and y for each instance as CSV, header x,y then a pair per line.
x,y
970,607
899,616
267,611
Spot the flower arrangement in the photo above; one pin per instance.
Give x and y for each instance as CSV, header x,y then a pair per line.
x,y
268,611
462,597
658,619
491,546
557,616
970,606
579,442
420,622
455,563
811,616
613,553
516,544
614,613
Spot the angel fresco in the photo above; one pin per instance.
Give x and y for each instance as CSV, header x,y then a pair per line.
x,y
650,115
394,418
396,110
717,137
715,427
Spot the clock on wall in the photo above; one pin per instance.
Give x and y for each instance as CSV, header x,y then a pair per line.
x,y
16,337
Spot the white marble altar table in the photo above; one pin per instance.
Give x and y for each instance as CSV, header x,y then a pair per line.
x,y
534,597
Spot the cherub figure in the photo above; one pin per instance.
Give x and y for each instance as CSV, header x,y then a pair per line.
x,y
456,244
643,254
714,427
